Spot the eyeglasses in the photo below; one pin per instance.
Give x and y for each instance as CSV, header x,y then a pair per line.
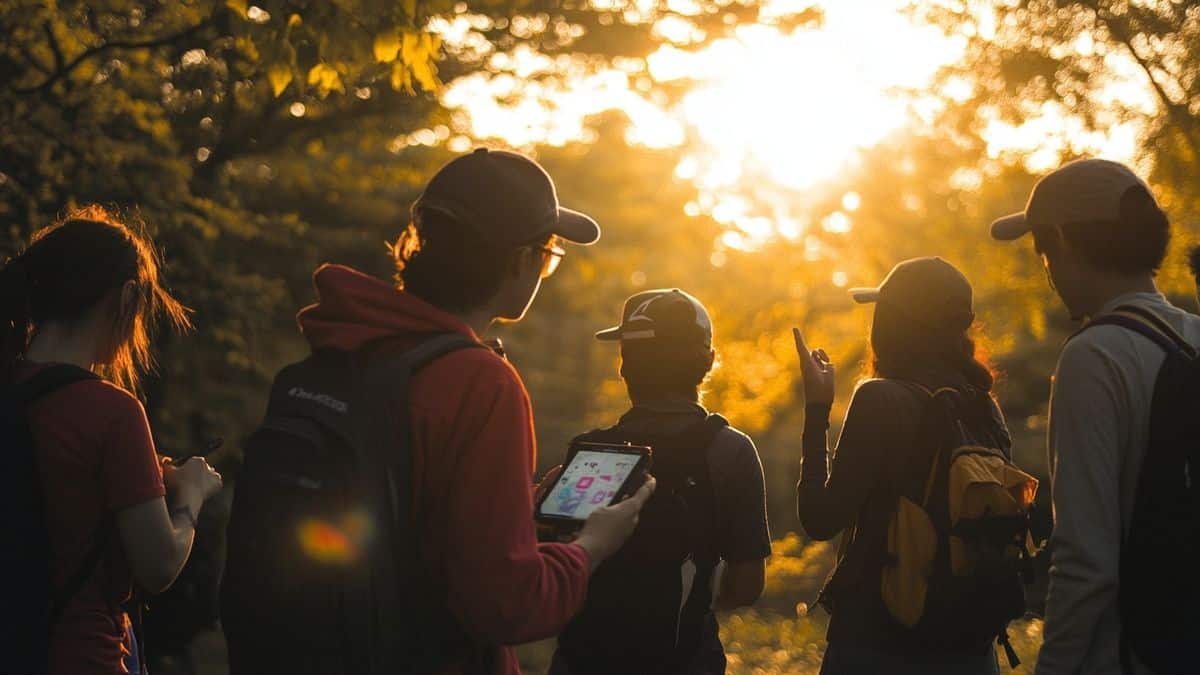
x,y
552,255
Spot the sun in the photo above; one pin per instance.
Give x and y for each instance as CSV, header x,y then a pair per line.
x,y
784,109
794,107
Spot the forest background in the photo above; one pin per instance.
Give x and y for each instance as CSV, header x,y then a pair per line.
x,y
256,141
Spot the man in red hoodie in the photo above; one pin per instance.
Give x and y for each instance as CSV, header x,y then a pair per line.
x,y
483,236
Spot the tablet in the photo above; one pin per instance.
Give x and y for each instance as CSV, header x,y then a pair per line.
x,y
594,475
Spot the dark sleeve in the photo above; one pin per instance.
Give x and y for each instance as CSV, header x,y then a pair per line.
x,y
738,483
828,501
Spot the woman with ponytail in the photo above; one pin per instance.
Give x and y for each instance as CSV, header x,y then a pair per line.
x,y
81,298
920,342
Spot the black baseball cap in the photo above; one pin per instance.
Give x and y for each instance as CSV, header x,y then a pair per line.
x,y
508,198
1083,191
665,315
930,290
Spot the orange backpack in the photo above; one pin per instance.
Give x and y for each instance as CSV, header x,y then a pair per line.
x,y
957,550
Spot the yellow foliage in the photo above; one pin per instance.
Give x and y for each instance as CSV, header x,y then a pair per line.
x,y
326,79
411,48
425,73
401,79
280,76
238,6
386,46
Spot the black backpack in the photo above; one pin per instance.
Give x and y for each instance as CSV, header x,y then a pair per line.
x,y
1159,587
639,617
323,572
34,606
955,560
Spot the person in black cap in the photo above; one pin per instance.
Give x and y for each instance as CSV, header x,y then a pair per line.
x,y
649,609
484,235
920,343
1102,238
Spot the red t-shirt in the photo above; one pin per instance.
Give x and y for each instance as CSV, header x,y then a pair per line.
x,y
96,457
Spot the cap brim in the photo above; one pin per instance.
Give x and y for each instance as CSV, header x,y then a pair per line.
x,y
576,227
1011,227
609,334
864,295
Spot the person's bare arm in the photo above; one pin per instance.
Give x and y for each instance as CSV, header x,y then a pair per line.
x,y
741,584
155,544
156,540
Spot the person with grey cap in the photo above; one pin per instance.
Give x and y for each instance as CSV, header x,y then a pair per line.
x,y
702,541
484,235
920,343
1102,238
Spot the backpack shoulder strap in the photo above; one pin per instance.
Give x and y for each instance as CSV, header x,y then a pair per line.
x,y
431,350
383,402
696,436
22,394
702,434
91,560
1148,324
47,380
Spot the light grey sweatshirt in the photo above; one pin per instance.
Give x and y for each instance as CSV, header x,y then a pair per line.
x,y
1099,426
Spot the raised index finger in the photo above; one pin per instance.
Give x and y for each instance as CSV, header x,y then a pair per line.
x,y
801,348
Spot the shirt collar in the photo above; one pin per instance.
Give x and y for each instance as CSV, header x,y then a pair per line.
x,y
1136,298
668,406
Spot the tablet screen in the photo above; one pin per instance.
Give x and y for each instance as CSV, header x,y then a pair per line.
x,y
590,481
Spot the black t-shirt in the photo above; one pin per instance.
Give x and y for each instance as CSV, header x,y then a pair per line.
x,y
737,476
739,491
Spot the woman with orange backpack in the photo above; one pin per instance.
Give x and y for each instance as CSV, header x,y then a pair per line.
x,y
915,589
89,513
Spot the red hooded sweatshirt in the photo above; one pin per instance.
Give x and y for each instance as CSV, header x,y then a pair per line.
x,y
473,457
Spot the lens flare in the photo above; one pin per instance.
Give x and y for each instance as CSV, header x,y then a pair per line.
x,y
335,544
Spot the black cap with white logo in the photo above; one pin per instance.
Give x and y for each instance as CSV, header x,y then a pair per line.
x,y
508,198
664,315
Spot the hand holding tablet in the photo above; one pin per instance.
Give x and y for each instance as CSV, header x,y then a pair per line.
x,y
593,476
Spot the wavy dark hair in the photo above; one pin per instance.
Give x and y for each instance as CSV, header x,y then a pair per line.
x,y
902,348
67,270
446,263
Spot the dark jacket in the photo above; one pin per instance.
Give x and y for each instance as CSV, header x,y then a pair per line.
x,y
879,439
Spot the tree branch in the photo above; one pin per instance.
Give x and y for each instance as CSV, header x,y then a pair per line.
x,y
54,46
64,70
1177,112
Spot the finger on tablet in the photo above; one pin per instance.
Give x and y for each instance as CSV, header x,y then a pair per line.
x,y
643,494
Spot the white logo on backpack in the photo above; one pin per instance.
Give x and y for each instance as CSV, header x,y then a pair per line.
x,y
320,399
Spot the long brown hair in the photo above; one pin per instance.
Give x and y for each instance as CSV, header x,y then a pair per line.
x,y
71,266
901,348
